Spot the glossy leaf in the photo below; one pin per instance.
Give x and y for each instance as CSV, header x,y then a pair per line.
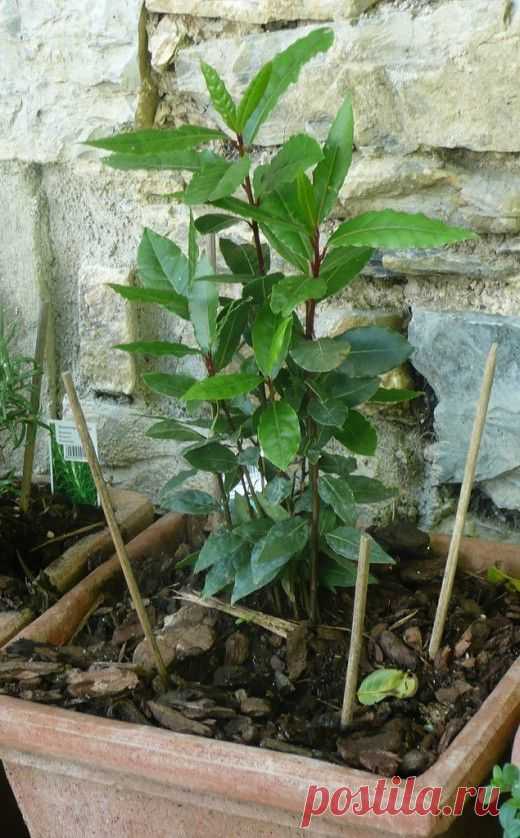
x,y
284,540
369,490
274,511
175,161
219,576
286,68
387,683
155,141
293,253
212,457
397,230
173,429
332,575
253,531
158,348
168,384
357,434
222,386
374,350
277,490
242,258
319,355
351,391
307,202
161,263
218,546
189,502
279,433
219,94
249,456
294,290
337,156
177,481
299,153
203,305
336,492
388,395
345,542
259,289
336,464
252,95
229,333
271,336
244,583
169,299
250,211
215,181
214,222
332,413
341,265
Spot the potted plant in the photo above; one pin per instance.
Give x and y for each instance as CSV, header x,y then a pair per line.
x,y
274,396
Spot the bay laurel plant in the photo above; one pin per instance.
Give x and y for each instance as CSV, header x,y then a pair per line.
x,y
278,394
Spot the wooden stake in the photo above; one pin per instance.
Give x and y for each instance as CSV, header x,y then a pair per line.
x,y
113,526
462,508
356,638
36,389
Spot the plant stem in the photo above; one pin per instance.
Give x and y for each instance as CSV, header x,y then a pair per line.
x,y
315,542
248,187
225,502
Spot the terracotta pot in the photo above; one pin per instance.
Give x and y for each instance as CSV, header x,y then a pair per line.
x,y
134,512
76,775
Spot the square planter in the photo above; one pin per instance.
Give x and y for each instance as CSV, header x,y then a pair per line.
x,y
134,512
76,775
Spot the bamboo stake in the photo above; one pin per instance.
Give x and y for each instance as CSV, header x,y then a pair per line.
x,y
113,526
462,508
356,638
36,389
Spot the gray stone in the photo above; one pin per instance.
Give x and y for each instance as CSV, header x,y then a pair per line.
x,y
263,11
165,41
416,77
69,72
450,350
105,320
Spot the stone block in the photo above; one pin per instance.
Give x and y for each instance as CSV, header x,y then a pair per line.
x,y
263,11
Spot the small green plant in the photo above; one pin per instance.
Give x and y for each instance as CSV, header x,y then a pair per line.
x,y
278,394
507,779
16,373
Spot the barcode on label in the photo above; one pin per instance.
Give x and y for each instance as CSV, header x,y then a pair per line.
x,y
74,453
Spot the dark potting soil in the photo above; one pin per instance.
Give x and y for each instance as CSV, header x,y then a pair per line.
x,y
30,542
238,682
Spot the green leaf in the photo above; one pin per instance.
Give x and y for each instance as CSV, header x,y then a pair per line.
x,y
274,511
253,531
187,161
298,154
220,97
279,242
498,577
212,457
169,299
271,338
341,265
333,412
357,434
168,384
279,433
333,575
277,490
396,230
242,258
337,493
286,68
203,305
229,333
161,263
307,202
263,216
345,542
319,355
351,391
336,464
249,456
373,350
158,348
190,502
216,180
222,386
173,429
386,683
259,289
177,481
157,141
290,292
284,540
219,545
368,490
220,576
193,253
214,222
252,96
387,395
337,157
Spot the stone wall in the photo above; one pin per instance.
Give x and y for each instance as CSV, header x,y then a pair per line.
x,y
437,107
